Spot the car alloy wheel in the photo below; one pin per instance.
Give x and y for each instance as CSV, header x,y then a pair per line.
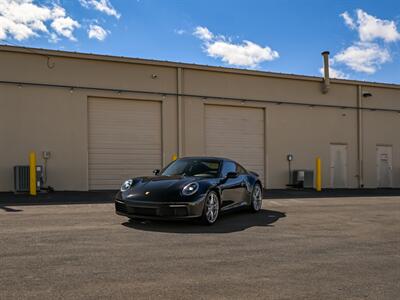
x,y
256,198
211,208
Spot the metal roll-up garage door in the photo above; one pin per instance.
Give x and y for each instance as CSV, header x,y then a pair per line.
x,y
124,140
236,133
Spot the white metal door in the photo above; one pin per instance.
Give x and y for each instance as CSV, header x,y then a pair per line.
x,y
384,166
338,166
236,133
124,140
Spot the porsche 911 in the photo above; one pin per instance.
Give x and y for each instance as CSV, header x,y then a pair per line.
x,y
190,187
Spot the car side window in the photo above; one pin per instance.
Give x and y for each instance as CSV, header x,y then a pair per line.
x,y
227,167
240,169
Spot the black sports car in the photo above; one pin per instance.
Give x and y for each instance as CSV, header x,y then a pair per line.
x,y
190,187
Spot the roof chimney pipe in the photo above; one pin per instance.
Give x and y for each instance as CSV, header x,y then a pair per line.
x,y
326,83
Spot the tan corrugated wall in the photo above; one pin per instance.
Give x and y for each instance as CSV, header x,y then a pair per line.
x,y
56,119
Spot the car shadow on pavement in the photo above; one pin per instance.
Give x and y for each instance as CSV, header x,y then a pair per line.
x,y
228,222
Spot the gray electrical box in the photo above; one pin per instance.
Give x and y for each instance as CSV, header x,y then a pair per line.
x,y
46,154
303,178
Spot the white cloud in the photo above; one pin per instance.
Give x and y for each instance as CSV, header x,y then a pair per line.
x,y
64,25
53,38
203,33
180,31
246,54
371,28
348,20
372,49
97,32
22,19
363,57
104,6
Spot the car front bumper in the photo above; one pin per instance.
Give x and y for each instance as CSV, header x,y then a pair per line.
x,y
159,210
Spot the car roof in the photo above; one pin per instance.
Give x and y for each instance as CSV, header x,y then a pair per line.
x,y
207,157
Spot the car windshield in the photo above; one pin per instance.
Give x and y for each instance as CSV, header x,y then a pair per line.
x,y
193,167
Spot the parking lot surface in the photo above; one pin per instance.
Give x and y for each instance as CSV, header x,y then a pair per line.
x,y
336,248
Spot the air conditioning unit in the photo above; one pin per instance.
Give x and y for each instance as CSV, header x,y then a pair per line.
x,y
303,178
22,178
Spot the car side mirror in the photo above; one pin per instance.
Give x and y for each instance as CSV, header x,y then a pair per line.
x,y
232,175
156,171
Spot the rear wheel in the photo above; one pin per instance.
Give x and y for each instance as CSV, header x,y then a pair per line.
x,y
211,208
256,198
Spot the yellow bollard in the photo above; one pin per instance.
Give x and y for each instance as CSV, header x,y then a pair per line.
x,y
318,177
32,174
174,157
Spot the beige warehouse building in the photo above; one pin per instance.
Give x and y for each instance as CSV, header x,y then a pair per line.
x,y
106,118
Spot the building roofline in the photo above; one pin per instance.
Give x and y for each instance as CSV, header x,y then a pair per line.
x,y
123,59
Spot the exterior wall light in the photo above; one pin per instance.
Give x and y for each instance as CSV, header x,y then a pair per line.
x,y
367,94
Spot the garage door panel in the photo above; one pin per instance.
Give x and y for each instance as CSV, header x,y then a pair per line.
x,y
125,154
236,133
124,140
125,146
122,162
119,169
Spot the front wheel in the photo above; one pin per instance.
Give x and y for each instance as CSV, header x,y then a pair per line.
x,y
211,208
256,198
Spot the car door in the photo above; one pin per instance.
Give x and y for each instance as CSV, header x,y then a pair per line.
x,y
246,187
232,189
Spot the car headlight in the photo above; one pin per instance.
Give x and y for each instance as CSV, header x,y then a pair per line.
x,y
126,185
190,189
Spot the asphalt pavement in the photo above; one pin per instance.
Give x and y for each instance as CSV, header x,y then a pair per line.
x,y
318,248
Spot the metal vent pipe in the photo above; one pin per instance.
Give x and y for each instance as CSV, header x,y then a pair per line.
x,y
326,82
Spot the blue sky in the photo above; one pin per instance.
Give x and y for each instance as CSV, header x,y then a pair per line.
x,y
285,36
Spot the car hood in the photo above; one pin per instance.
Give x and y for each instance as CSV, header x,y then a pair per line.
x,y
158,188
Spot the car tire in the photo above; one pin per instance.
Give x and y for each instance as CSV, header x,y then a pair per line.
x,y
256,198
211,208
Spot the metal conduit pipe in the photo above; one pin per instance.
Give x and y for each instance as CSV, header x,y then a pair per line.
x,y
180,110
360,139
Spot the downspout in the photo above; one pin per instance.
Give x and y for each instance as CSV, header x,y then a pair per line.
x,y
179,92
360,137
326,82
